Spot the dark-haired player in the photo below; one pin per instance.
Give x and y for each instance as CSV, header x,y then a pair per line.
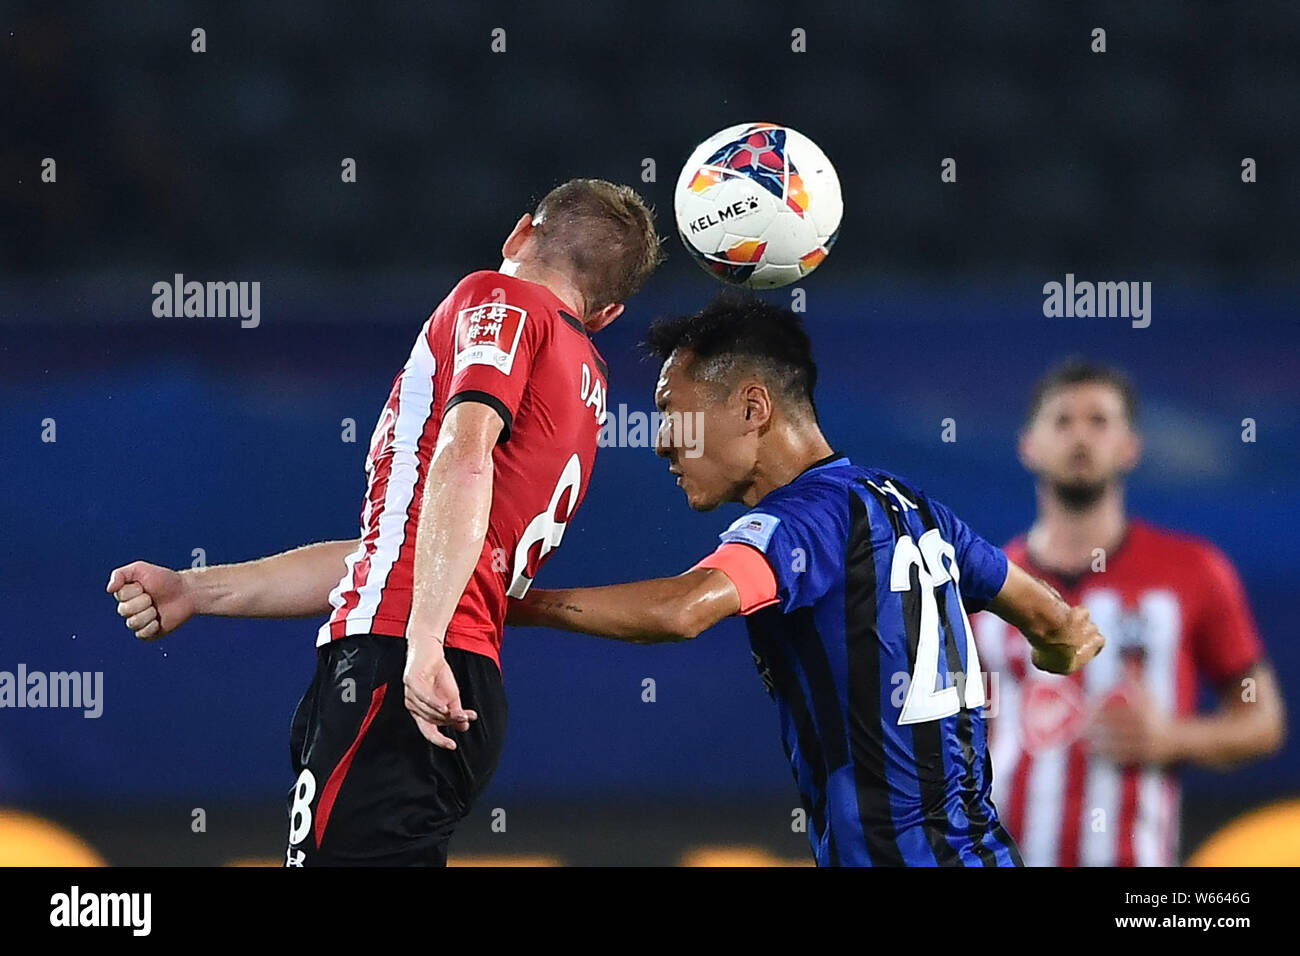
x,y
1087,763
855,586
480,456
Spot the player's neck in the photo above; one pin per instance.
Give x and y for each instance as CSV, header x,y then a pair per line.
x,y
788,451
559,285
1066,539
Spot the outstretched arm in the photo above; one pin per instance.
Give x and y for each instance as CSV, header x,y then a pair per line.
x,y
660,610
156,600
1063,638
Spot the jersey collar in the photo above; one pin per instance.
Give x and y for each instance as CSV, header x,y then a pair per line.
x,y
573,321
835,457
1072,579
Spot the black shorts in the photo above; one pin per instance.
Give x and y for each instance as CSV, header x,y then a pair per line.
x,y
370,789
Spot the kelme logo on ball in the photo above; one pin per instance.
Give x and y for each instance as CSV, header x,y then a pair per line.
x,y
722,214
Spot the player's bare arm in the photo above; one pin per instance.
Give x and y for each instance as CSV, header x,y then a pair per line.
x,y
448,541
655,611
1063,638
156,601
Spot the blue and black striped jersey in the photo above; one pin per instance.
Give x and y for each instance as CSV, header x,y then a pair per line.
x,y
870,658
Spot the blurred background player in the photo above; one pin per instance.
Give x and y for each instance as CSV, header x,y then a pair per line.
x,y
854,588
1087,764
480,457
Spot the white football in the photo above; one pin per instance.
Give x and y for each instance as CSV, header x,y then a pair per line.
x,y
758,205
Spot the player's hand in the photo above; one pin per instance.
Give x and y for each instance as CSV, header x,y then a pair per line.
x,y
432,696
1132,732
154,600
1070,646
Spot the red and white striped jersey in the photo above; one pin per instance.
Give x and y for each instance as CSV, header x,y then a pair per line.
x,y
1173,611
512,345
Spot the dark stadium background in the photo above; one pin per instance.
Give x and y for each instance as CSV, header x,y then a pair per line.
x,y
179,434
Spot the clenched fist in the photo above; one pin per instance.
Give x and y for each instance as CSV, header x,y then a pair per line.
x,y
1068,647
154,600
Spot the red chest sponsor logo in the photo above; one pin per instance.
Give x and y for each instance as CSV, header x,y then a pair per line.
x,y
488,335
1054,713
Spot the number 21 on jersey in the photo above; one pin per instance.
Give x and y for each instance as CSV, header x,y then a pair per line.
x,y
935,561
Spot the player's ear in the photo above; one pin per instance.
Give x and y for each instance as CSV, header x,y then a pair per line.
x,y
1133,451
514,243
1025,448
756,405
603,317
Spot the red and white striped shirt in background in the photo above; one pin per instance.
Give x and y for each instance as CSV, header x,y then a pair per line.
x,y
511,345
1173,612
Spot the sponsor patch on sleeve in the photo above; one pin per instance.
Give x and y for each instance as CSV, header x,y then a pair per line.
x,y
488,334
754,529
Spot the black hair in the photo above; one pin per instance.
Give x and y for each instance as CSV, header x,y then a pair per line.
x,y
738,332
1081,371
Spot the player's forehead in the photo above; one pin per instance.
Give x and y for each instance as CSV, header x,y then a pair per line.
x,y
1083,398
675,383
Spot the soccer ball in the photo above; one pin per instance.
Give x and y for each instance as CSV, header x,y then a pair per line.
x,y
758,205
